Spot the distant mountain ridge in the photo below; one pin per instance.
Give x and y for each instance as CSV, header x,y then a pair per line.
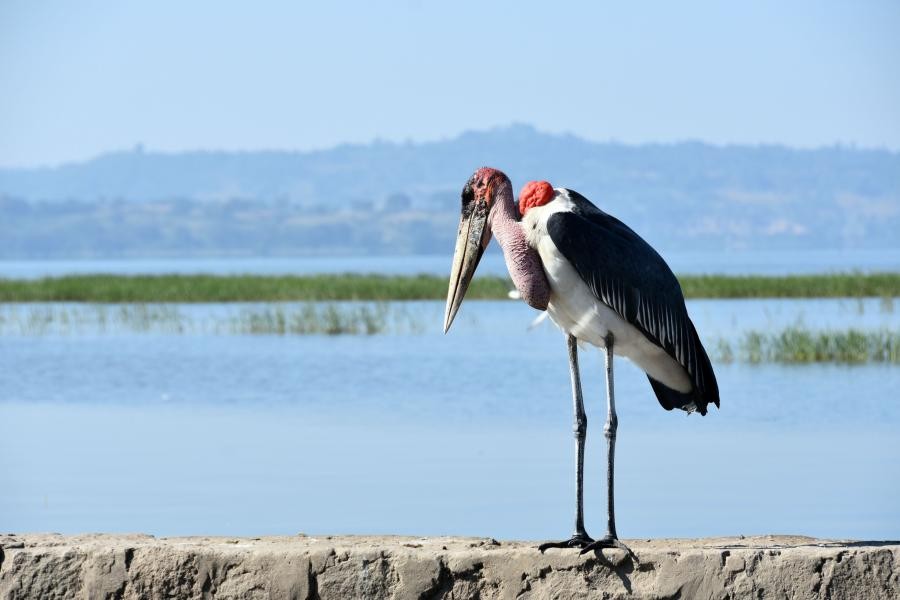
x,y
381,167
690,195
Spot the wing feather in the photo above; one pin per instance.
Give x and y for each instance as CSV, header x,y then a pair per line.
x,y
624,272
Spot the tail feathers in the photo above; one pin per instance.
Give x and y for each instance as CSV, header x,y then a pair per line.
x,y
706,388
669,398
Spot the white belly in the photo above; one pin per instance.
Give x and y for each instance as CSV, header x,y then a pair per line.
x,y
575,309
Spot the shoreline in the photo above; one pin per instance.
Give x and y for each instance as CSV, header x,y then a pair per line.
x,y
331,287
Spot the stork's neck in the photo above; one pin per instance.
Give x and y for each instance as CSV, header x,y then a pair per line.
x,y
522,261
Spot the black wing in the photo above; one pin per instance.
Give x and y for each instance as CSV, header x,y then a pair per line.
x,y
628,275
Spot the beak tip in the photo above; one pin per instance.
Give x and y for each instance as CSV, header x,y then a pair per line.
x,y
470,244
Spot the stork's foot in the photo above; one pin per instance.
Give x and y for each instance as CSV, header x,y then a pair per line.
x,y
610,543
579,540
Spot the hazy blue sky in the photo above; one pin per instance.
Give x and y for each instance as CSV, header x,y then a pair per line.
x,y
80,78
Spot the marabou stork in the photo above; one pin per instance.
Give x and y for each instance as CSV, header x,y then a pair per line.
x,y
602,284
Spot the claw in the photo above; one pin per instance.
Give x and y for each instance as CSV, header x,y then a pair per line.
x,y
576,541
610,543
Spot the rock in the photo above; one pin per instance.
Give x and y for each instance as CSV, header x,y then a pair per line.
x,y
733,564
309,567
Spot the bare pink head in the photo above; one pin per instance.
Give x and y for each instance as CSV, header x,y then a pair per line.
x,y
489,208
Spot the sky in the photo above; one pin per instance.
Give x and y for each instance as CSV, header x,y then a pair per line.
x,y
80,79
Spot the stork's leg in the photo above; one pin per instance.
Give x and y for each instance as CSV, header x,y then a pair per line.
x,y
610,540
580,538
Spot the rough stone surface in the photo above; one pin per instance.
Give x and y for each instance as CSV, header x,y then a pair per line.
x,y
303,567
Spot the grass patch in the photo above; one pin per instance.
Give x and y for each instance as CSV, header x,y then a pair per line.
x,y
240,288
266,288
793,345
797,344
835,285
276,319
328,319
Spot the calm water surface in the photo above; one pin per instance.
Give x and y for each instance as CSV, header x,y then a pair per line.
x,y
421,433
734,263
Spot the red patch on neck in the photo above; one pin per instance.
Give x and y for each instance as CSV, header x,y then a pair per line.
x,y
535,193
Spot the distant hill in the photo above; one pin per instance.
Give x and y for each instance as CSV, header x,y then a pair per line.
x,y
403,198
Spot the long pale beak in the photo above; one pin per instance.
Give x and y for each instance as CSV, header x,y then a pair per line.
x,y
469,248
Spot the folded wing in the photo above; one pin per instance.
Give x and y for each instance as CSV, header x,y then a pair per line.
x,y
629,276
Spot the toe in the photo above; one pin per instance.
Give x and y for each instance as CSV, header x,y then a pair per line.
x,y
577,541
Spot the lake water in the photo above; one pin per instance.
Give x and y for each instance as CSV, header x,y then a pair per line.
x,y
734,263
422,434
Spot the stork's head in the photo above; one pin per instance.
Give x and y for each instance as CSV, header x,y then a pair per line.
x,y
478,197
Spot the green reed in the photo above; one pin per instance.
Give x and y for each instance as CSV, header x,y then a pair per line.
x,y
270,288
274,319
310,319
796,344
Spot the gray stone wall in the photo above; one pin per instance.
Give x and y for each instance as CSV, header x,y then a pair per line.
x,y
306,567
